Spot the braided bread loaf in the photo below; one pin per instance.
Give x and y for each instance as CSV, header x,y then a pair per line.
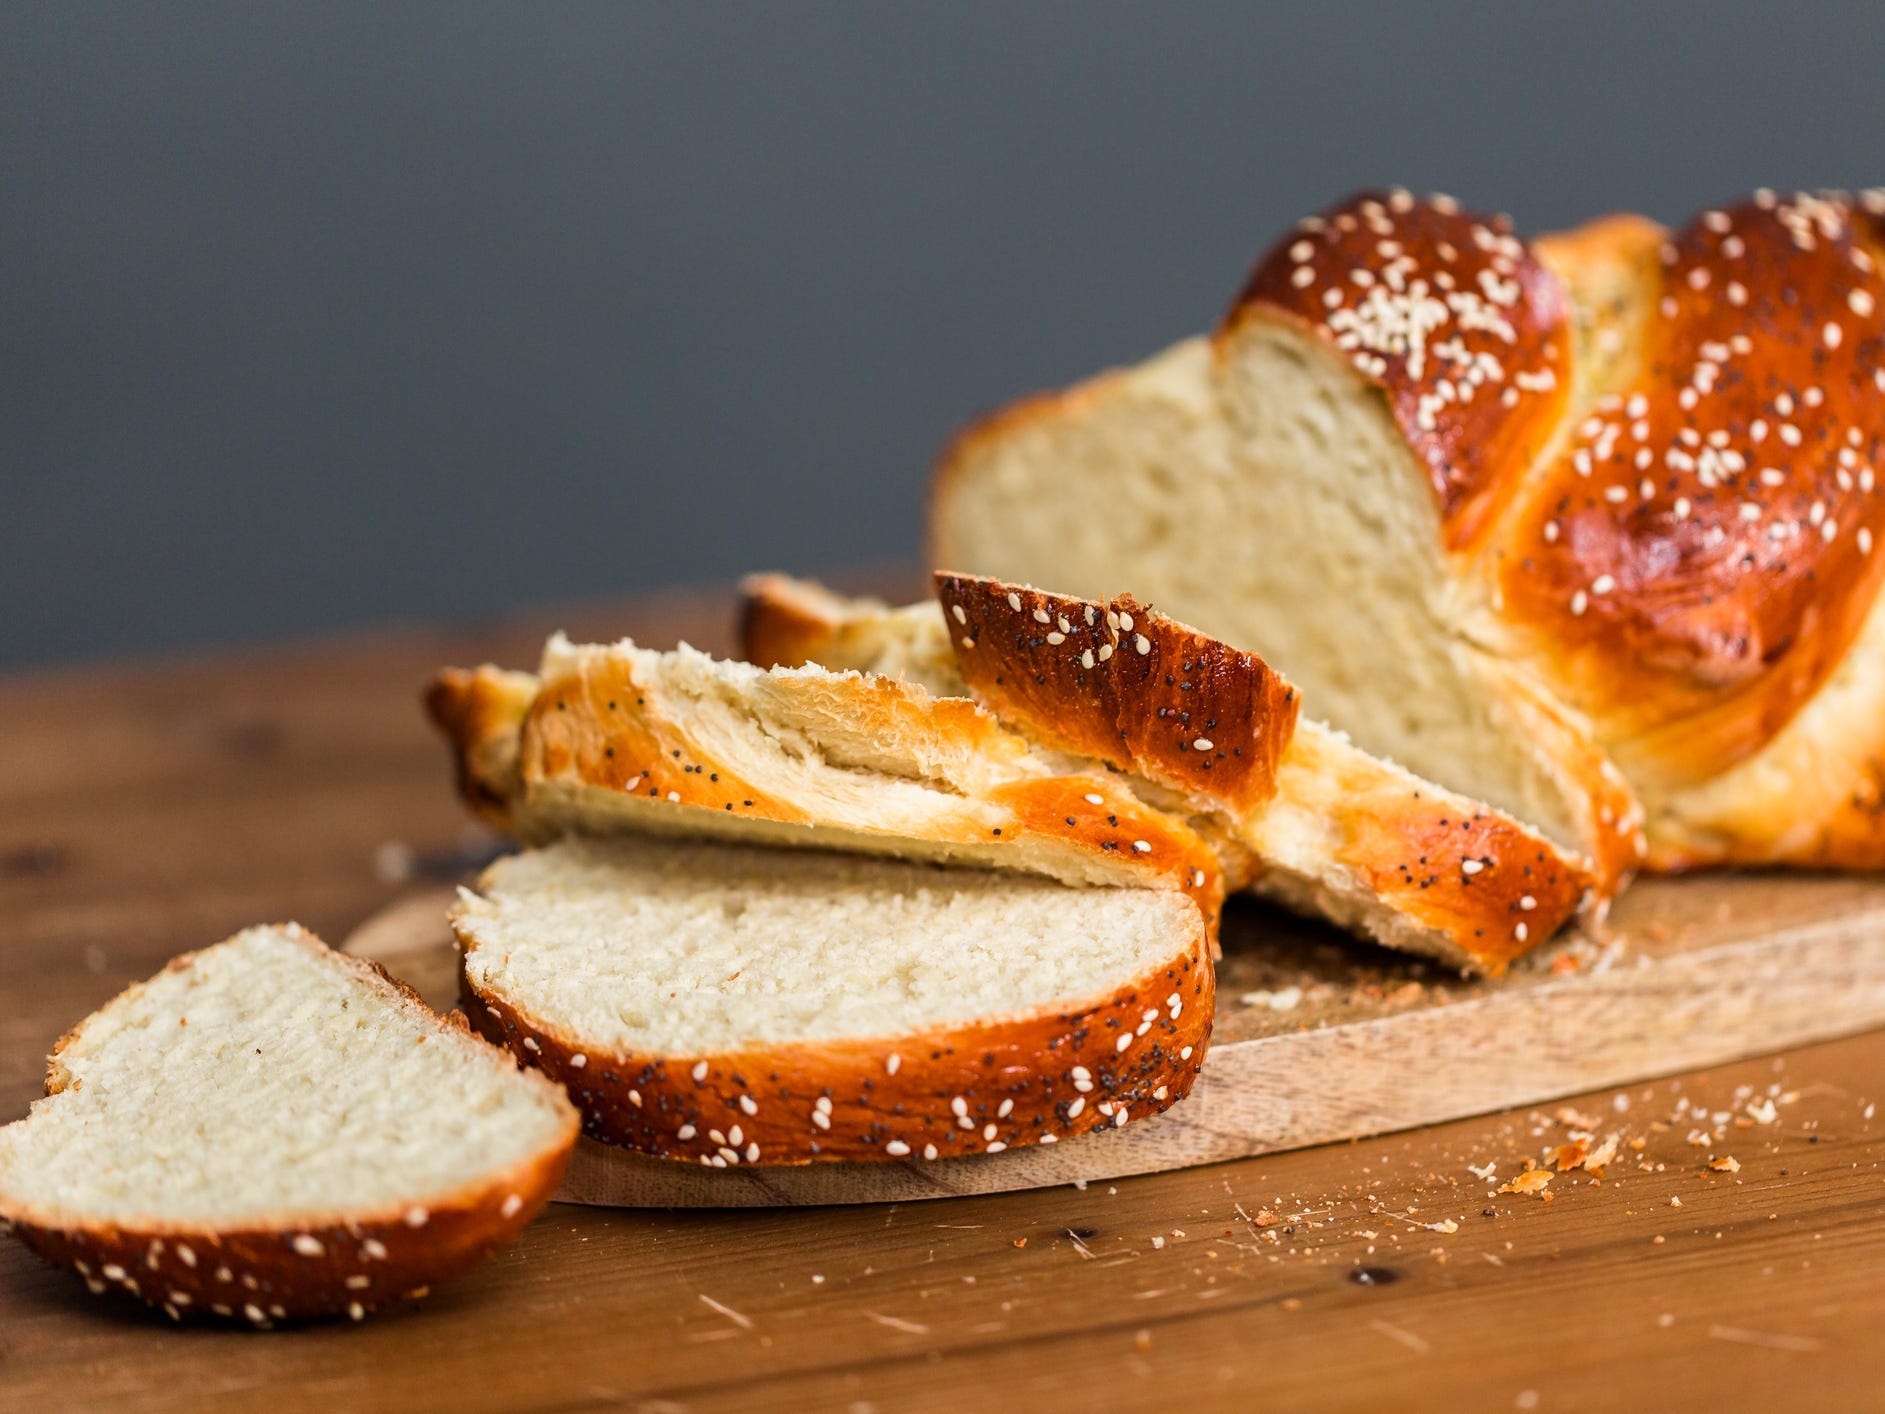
x,y
1581,526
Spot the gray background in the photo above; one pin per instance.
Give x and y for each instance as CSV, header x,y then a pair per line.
x,y
333,315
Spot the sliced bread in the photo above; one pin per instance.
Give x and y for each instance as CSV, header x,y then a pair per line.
x,y
269,1130
1343,835
728,1004
621,738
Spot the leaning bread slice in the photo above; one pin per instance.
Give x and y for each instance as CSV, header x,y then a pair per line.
x,y
268,1130
1344,835
728,1004
617,738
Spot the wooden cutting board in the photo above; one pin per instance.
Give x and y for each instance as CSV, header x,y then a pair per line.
x,y
1319,1038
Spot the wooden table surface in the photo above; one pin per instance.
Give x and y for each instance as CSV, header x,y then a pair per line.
x,y
149,809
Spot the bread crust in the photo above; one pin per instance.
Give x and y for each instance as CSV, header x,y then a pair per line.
x,y
1452,316
1124,685
1698,556
319,1265
979,1088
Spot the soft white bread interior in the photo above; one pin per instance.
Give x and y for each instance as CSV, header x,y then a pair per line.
x,y
270,1130
1343,835
614,738
729,1005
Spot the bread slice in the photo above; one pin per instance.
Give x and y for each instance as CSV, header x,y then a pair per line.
x,y
617,737
726,1004
1344,835
268,1130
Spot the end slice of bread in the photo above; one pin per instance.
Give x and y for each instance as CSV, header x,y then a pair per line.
x,y
730,1005
269,1130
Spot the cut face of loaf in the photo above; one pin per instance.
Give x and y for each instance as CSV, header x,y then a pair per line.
x,y
1514,512
731,1005
1344,836
268,1130
620,738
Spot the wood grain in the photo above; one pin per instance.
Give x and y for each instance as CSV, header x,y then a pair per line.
x,y
148,809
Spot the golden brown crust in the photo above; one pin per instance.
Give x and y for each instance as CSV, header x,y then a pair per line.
x,y
328,1265
481,712
263,1274
1451,315
974,1089
1700,556
1489,889
1125,685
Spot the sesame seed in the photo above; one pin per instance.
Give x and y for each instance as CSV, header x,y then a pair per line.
x,y
1040,616
736,1136
530,1044
674,795
685,1132
1865,541
1007,1108
1528,903
309,1246
1119,1116
1203,743
1092,799
1141,644
752,1152
1860,303
1054,640
959,1106
359,1283
512,1206
929,1151
824,1104
988,1131
416,1216
699,1071
372,1249
1078,1104
1520,932
1302,277
1014,601
821,1119
578,1061
961,617
1603,584
355,1311
996,1147
1124,1041
1197,878
1125,623
1832,334
750,1106
896,1148
1086,659
1579,601
1471,866
1141,847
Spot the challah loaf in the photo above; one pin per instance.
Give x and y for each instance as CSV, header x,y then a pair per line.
x,y
1342,835
267,1130
735,1005
1565,524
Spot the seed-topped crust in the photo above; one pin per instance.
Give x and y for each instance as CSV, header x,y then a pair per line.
x,y
974,1089
1451,315
1126,685
1700,553
346,1262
